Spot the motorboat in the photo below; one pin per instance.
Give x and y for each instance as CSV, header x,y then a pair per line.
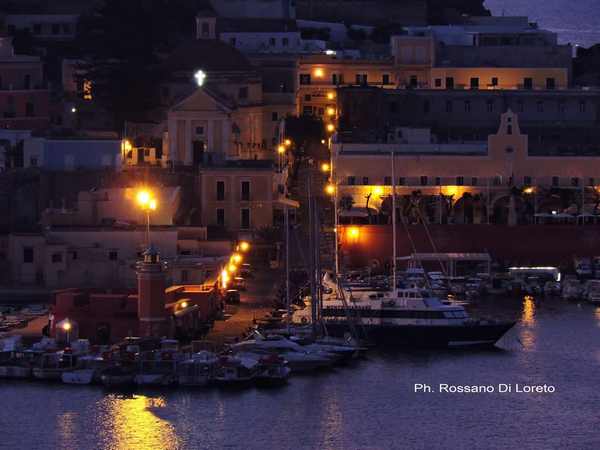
x,y
272,370
157,368
87,371
235,370
592,292
299,358
118,376
402,317
53,365
199,370
572,290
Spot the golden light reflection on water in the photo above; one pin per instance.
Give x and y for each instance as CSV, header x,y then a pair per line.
x,y
67,429
527,335
597,316
528,312
134,425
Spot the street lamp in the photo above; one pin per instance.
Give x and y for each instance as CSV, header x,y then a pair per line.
x,y
325,167
244,246
67,329
148,203
330,189
287,142
331,128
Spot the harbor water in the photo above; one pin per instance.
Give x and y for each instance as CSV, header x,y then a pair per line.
x,y
368,405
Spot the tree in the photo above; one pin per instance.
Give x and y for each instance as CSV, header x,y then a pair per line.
x,y
120,43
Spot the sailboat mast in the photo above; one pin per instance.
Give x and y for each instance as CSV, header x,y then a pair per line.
x,y
394,220
287,265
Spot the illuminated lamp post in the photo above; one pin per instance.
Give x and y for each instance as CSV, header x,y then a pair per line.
x,y
148,203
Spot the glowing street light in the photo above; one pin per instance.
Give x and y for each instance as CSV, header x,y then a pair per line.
x,y
331,111
200,76
232,268
378,191
236,258
148,203
319,73
288,142
331,127
224,278
330,189
330,95
353,233
325,167
184,305
281,149
244,246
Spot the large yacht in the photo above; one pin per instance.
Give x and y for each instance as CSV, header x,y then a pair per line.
x,y
408,317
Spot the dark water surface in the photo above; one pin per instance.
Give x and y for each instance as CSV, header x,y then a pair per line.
x,y
576,21
370,405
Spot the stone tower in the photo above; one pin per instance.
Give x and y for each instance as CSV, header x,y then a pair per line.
x,y
151,277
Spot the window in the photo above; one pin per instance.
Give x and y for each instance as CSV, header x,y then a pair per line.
x,y
55,28
29,109
528,83
307,110
562,107
271,41
540,106
351,181
305,78
426,106
37,28
520,106
220,217
387,181
474,181
66,28
424,180
582,106
475,83
393,107
245,191
497,180
361,78
438,82
200,131
591,182
220,191
450,83
337,78
527,180
184,276
494,81
113,255
274,116
285,42
467,106
550,83
365,181
555,181
490,106
74,255
414,81
245,216
321,111
57,258
33,161
243,92
574,181
509,130
28,254
27,82
438,181
385,79
401,181
460,181
205,29
448,106
232,41
307,98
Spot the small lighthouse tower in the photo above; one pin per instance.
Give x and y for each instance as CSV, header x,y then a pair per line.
x,y
151,277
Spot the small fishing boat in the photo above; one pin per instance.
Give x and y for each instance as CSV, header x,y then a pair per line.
x,y
118,376
199,370
87,370
234,370
273,370
53,365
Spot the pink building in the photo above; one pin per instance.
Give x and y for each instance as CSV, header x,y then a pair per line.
x,y
24,96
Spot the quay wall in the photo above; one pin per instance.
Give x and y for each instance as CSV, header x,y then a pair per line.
x,y
524,245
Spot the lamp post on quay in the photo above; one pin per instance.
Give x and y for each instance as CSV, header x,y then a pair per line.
x,y
148,203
